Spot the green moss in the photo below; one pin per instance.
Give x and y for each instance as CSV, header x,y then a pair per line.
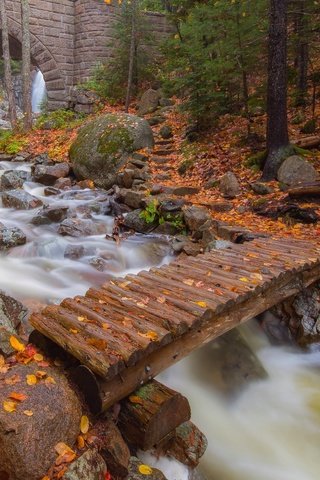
x,y
301,151
144,391
256,161
115,141
185,165
9,143
309,127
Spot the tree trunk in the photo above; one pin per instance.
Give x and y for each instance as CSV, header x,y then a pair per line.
x,y
132,54
277,123
7,66
26,65
302,53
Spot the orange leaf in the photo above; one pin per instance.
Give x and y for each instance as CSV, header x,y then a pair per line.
x,y
12,380
2,361
20,397
41,374
80,442
14,342
61,448
97,343
150,334
135,399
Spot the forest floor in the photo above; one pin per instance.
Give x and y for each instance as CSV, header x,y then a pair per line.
x,y
223,149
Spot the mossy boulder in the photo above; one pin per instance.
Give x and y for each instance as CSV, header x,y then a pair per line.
x,y
103,146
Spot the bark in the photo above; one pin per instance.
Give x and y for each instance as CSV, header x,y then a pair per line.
x,y
302,53
277,122
26,65
132,54
7,66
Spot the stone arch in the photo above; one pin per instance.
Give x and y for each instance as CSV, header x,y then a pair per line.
x,y
45,61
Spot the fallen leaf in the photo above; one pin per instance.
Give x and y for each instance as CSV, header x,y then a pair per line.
x,y
38,357
28,413
50,381
41,374
150,334
145,469
73,330
80,442
244,279
9,406
14,342
97,343
84,424
67,457
188,281
202,304
161,299
31,379
2,361
81,319
135,399
62,448
12,380
20,397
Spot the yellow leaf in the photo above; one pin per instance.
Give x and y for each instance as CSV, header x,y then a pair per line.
x,y
161,299
32,379
61,448
188,281
150,334
50,380
81,319
202,304
244,279
9,406
38,357
28,413
145,469
84,424
73,330
14,342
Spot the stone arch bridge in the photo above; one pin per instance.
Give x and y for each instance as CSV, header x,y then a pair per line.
x,y
68,37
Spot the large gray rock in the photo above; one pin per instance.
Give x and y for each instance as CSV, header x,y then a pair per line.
x,y
12,312
80,227
89,466
149,102
27,442
13,179
195,217
20,199
229,185
135,473
296,169
11,237
48,174
103,147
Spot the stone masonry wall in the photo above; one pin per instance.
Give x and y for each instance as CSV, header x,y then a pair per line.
x,y
68,37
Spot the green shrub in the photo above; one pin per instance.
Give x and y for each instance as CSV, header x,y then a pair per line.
x,y
58,119
9,143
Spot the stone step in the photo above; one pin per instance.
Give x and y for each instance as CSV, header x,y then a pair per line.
x,y
164,142
160,160
164,152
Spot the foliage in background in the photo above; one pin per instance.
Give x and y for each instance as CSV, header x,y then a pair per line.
x,y
10,143
218,46
58,119
15,67
109,80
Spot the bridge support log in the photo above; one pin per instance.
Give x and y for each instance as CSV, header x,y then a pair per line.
x,y
152,413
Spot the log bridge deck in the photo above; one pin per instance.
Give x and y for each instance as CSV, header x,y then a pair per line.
x,y
130,329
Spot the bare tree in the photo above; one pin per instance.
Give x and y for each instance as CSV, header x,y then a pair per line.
x,y
7,65
278,145
26,65
132,52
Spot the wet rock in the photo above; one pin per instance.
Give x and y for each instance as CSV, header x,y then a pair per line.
x,y
133,221
20,200
13,179
229,363
5,346
89,466
134,473
132,198
171,205
187,445
50,191
6,157
98,263
76,227
261,188
12,312
63,183
195,217
276,329
149,102
74,252
112,447
302,314
167,228
22,157
296,169
11,237
42,159
50,215
166,132
104,145
229,185
27,443
48,174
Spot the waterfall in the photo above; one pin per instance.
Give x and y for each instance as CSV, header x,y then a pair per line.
x,y
38,91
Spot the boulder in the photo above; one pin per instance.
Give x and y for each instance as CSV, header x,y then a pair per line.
x,y
133,221
20,200
50,215
261,188
296,169
76,227
229,185
11,237
132,198
103,146
156,120
50,414
13,179
12,312
48,174
63,183
149,102
195,217
89,466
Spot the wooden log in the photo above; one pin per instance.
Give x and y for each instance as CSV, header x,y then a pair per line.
x,y
308,142
151,413
304,190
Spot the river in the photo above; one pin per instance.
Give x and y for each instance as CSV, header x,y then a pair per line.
x,y
269,430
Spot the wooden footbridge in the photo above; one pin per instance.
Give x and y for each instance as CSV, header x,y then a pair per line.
x,y
130,329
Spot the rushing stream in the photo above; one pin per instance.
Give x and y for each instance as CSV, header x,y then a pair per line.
x,y
270,430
